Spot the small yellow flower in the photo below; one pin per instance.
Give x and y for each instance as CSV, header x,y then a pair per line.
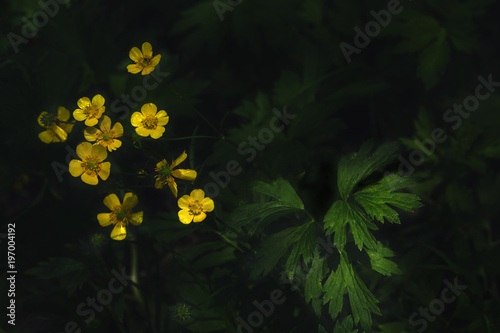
x,y
90,111
91,165
194,207
57,127
166,173
149,122
106,136
121,214
144,60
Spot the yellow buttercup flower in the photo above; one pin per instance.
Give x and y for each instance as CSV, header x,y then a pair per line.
x,y
91,165
194,207
166,173
149,122
90,111
144,61
106,136
57,127
121,214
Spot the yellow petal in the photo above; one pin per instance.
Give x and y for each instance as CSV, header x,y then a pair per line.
x,y
186,174
197,194
158,132
100,112
185,217
134,68
160,164
83,102
130,200
142,131
135,54
178,160
66,127
200,217
159,184
90,121
98,100
105,123
119,232
111,201
114,145
136,218
60,134
147,50
162,118
63,113
184,201
105,170
75,168
84,149
100,152
104,219
40,118
136,119
117,130
156,59
90,133
149,109
173,187
47,136
90,179
146,70
79,115
207,204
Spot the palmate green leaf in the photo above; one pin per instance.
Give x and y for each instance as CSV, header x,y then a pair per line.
x,y
276,246
380,263
358,166
346,326
314,287
280,190
375,198
339,215
433,60
362,301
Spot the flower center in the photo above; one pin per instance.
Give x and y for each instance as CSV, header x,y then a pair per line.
x,y
91,110
120,215
150,122
106,136
164,171
91,165
47,119
195,208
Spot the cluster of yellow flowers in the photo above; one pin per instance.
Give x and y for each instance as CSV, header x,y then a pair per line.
x,y
91,166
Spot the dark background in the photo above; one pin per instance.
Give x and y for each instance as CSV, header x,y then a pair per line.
x,y
263,55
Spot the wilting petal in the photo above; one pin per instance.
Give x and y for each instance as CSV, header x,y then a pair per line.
x,y
147,50
184,201
197,194
84,149
178,160
130,200
207,204
62,113
111,201
114,145
186,174
135,54
200,217
119,232
75,168
90,179
90,133
136,218
136,119
104,219
185,217
83,102
173,187
60,134
105,170
149,109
